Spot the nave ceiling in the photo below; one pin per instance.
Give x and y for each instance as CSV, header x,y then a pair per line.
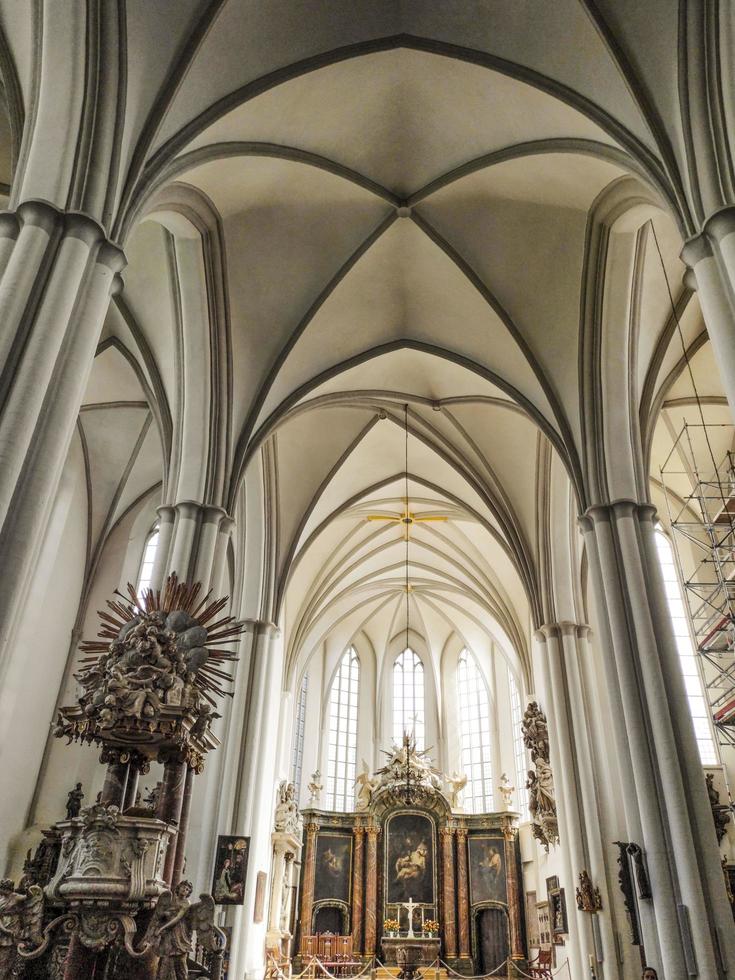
x,y
322,227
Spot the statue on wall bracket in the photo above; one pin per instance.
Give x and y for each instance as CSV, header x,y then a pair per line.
x,y
540,785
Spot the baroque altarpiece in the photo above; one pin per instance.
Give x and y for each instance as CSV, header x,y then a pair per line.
x,y
408,857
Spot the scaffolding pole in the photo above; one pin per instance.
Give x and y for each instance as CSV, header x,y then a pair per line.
x,y
699,488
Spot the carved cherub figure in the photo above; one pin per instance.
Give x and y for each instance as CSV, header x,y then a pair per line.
x,y
457,782
171,930
368,784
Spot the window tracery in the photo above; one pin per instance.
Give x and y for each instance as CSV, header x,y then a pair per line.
x,y
297,756
475,738
696,695
145,574
342,749
519,749
409,712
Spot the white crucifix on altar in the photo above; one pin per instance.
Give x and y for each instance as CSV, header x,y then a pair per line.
x,y
410,905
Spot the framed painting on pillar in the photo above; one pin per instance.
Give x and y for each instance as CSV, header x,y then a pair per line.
x,y
230,870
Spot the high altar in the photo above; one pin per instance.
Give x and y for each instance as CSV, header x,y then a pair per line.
x,y
407,855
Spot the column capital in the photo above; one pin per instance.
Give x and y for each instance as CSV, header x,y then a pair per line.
x,y
718,225
562,628
166,513
261,627
622,507
187,510
213,514
77,224
695,250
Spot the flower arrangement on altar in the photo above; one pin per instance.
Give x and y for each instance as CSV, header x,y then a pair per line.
x,y
431,926
391,925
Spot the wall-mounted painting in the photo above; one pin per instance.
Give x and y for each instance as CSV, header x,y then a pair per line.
x,y
487,870
230,870
409,859
333,873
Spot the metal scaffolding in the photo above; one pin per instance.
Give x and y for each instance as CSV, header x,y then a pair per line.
x,y
698,480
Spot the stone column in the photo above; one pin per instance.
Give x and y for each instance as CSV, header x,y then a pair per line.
x,y
449,912
463,899
564,764
710,258
690,903
575,643
358,855
252,771
515,910
307,884
55,287
371,891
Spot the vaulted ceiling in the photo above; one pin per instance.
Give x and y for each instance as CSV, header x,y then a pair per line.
x,y
334,211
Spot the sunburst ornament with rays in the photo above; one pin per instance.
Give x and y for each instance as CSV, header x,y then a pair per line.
x,y
157,660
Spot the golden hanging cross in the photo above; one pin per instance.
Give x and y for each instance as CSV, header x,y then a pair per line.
x,y
407,519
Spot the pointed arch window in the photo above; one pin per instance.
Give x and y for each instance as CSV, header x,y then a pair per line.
x,y
476,744
409,712
690,668
145,573
342,754
519,748
297,756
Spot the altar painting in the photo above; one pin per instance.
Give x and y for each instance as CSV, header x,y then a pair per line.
x,y
487,870
409,859
333,871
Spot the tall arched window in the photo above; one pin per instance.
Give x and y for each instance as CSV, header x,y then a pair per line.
x,y
297,757
409,714
149,557
342,757
474,722
519,748
698,705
